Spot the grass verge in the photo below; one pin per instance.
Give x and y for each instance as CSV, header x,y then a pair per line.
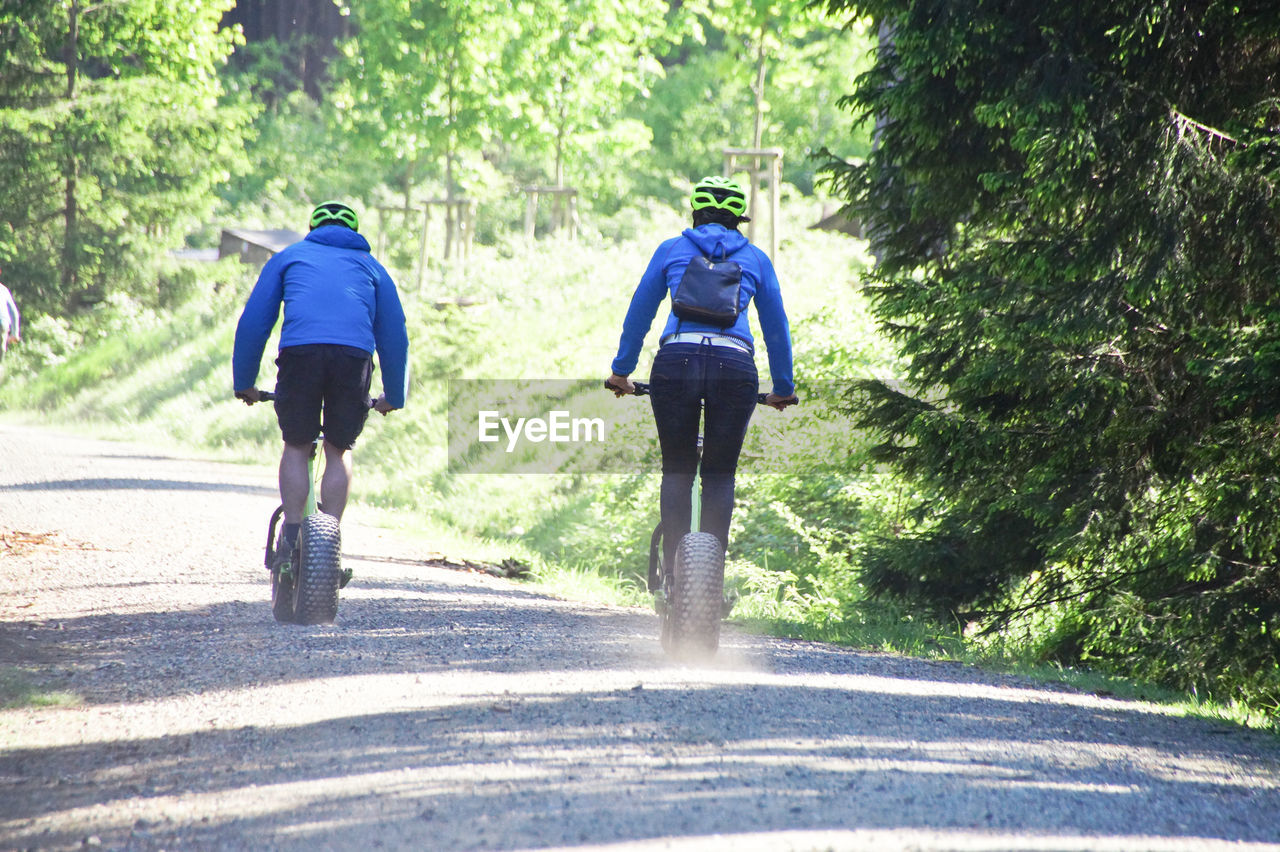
x,y
22,688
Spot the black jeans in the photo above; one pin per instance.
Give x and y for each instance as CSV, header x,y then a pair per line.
x,y
690,381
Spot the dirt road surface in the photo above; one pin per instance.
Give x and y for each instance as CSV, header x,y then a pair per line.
x,y
159,706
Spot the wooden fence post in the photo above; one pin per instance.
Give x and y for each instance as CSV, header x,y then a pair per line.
x,y
758,174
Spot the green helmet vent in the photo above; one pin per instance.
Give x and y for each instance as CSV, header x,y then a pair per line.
x,y
334,213
720,193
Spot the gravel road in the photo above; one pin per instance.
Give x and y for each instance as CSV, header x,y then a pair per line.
x,y
451,710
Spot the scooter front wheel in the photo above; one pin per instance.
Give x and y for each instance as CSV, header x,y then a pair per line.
x,y
697,597
319,570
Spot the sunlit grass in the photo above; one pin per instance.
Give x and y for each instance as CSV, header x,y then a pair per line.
x,y
588,584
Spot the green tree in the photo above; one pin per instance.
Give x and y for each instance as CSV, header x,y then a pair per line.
x,y
422,84
756,33
575,66
715,91
1077,223
111,139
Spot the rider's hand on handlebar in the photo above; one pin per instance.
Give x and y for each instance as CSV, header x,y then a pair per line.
x,y
249,396
620,385
381,405
780,402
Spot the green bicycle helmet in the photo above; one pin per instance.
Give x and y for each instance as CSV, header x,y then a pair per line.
x,y
334,213
719,193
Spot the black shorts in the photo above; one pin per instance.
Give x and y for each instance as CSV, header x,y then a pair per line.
x,y
323,387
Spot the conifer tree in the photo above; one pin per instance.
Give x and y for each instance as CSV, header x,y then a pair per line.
x,y
1075,210
111,139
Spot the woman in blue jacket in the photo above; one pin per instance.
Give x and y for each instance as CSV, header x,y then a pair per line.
x,y
705,369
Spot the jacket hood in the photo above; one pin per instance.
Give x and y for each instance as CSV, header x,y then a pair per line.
x,y
714,240
339,236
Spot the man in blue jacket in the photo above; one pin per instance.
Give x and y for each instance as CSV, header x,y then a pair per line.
x,y
705,371
340,306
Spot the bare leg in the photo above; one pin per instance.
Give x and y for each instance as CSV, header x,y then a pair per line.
x,y
294,483
336,482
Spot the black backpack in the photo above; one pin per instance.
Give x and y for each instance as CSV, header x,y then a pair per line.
x,y
708,292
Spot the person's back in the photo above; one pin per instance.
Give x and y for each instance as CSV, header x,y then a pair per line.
x,y
333,292
703,372
340,308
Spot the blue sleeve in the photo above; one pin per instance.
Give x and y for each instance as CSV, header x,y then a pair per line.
x,y
392,340
649,294
259,318
774,327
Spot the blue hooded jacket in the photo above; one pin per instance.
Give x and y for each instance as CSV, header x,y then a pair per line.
x,y
759,282
333,291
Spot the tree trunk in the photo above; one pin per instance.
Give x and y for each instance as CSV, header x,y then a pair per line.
x,y
450,149
557,204
561,123
410,172
758,136
71,56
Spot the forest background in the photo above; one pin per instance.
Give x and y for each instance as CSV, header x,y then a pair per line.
x,y
1045,414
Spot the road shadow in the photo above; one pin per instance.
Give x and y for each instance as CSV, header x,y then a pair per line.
x,y
415,627
583,716
632,764
138,484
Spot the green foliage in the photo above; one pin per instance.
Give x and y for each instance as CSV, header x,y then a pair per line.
x,y
1075,219
575,65
423,83
432,93
1073,209
296,160
110,142
116,155
706,99
122,358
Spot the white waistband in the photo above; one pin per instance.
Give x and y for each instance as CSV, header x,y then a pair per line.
x,y
710,338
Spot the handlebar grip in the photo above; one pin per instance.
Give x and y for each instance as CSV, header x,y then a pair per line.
x,y
642,389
